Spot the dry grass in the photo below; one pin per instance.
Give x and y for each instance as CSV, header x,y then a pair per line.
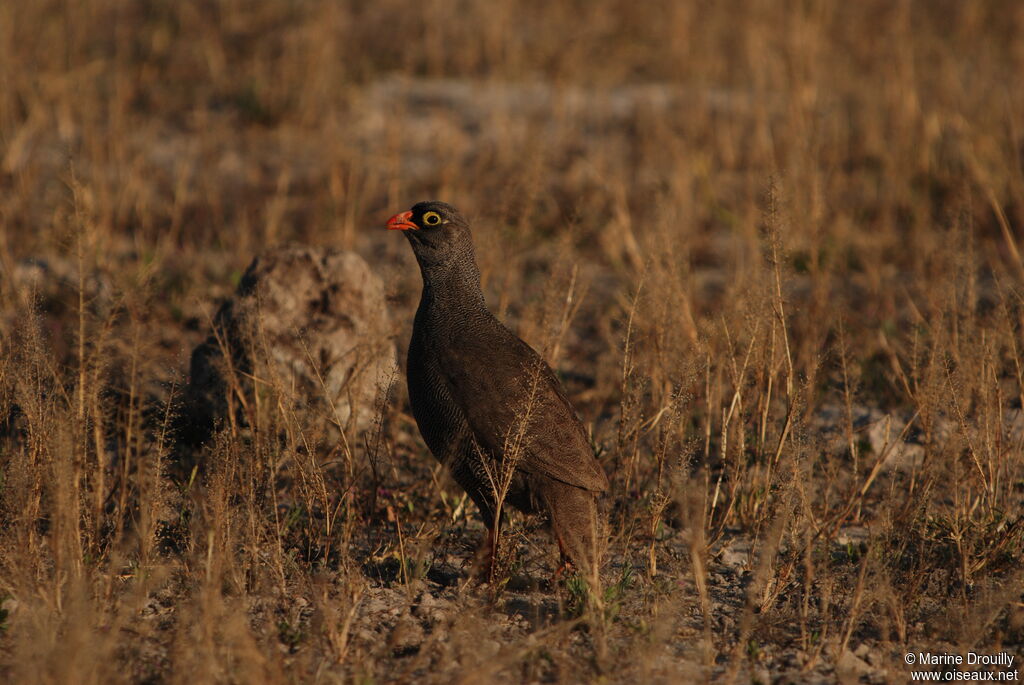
x,y
772,247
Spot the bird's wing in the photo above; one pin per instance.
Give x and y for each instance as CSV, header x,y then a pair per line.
x,y
516,408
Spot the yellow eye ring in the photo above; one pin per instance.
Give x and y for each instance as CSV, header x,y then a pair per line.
x,y
431,218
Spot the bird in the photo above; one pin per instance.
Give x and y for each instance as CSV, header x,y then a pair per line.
x,y
486,403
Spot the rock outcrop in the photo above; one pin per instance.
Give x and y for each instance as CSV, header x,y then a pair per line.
x,y
309,329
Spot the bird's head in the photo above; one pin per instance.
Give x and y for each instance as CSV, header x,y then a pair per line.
x,y
438,233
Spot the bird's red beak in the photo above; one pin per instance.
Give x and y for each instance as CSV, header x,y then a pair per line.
x,y
402,222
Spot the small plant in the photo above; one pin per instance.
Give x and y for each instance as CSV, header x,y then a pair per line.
x,y
292,636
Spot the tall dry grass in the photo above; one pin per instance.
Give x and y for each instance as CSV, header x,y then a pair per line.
x,y
736,229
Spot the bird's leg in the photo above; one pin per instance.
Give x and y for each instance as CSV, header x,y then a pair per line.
x,y
487,552
566,561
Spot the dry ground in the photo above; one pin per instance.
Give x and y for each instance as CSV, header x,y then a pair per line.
x,y
771,247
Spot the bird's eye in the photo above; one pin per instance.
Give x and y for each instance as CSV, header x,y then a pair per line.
x,y
431,218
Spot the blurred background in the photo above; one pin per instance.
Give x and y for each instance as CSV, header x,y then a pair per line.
x,y
198,133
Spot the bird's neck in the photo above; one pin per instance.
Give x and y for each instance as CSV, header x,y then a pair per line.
x,y
452,285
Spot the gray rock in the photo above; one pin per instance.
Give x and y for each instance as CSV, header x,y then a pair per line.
x,y
849,665
738,553
308,327
886,441
406,636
